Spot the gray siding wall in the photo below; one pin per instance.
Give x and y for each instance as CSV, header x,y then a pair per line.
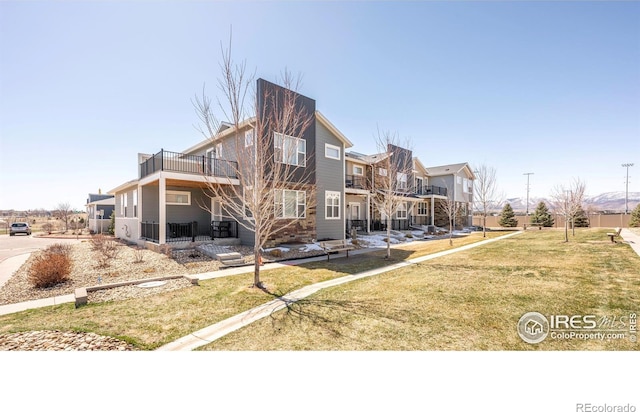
x,y
329,176
228,147
150,211
246,236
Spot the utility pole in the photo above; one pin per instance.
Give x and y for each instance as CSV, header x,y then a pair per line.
x,y
527,174
626,196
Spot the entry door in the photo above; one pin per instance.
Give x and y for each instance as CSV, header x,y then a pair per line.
x,y
355,211
216,210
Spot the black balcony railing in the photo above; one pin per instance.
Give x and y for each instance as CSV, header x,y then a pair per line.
x,y
431,190
421,220
355,182
224,229
150,231
186,163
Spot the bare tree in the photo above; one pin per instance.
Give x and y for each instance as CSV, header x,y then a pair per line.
x,y
392,177
449,207
63,212
485,192
267,188
567,201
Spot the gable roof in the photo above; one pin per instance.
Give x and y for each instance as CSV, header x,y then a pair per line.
x,y
450,169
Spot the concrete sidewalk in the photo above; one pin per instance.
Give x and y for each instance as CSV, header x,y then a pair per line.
x,y
216,331
631,239
10,265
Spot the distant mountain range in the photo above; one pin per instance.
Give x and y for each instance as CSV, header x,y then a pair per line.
x,y
610,202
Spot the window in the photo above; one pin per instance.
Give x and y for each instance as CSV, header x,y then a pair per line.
x,y
332,204
121,203
290,150
218,153
382,172
135,203
248,138
418,185
402,181
465,185
401,213
331,151
175,197
125,203
459,179
423,208
358,170
290,204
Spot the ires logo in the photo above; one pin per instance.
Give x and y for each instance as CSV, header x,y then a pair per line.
x,y
573,322
534,327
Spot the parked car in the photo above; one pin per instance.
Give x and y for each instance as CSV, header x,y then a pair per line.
x,y
20,227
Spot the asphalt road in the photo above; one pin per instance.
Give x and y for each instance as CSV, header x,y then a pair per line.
x,y
20,244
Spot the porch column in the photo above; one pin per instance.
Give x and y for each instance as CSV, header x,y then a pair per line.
x,y
139,213
368,213
162,210
433,210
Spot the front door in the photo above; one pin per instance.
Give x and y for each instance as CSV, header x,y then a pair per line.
x,y
355,211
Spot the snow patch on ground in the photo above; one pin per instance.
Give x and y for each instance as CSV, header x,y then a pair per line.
x,y
310,247
282,249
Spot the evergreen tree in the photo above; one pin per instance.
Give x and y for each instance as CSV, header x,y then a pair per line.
x,y
635,217
508,218
541,216
580,219
112,224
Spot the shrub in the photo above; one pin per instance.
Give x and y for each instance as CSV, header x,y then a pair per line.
x,y
47,227
276,253
138,254
635,217
51,267
106,249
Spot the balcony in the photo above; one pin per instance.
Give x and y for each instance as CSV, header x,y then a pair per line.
x,y
355,182
185,163
431,190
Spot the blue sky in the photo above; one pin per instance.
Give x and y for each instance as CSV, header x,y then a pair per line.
x,y
551,88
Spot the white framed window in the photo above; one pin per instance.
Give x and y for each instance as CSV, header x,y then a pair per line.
x,y
465,185
120,200
382,171
358,170
177,197
290,150
125,203
249,137
332,205
290,204
402,181
459,179
218,154
331,151
135,203
423,208
401,213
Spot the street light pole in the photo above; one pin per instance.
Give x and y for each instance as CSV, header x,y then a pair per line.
x,y
527,174
626,196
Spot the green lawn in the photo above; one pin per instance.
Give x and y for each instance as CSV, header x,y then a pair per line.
x,y
470,300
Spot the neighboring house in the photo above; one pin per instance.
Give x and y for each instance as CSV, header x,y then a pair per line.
x,y
458,180
422,192
168,202
99,208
